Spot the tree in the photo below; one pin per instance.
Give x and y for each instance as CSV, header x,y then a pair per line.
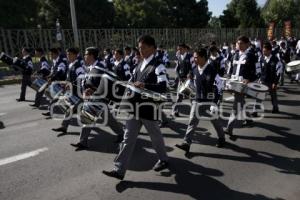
x,y
281,10
242,14
94,14
228,19
140,13
161,13
17,14
188,13
214,22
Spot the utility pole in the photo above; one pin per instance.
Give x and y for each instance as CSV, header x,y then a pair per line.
x,y
74,23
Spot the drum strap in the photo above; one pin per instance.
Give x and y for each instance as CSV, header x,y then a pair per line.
x,y
240,62
100,68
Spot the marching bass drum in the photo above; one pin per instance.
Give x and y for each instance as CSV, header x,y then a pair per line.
x,y
257,90
293,67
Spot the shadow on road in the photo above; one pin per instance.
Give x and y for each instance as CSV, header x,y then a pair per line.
x,y
192,180
284,164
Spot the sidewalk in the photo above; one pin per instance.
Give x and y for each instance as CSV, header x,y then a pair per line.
x,y
6,80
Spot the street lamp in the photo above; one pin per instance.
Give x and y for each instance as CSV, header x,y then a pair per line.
x,y
74,23
58,31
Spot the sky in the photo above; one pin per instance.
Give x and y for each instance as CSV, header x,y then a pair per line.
x,y
217,6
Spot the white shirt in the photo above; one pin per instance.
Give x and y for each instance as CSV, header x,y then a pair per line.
x,y
29,64
183,56
93,65
298,45
146,62
116,63
267,59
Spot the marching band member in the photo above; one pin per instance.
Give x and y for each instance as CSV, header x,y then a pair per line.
x,y
26,73
163,56
121,66
243,69
91,87
75,73
43,72
136,60
204,73
150,74
285,57
129,55
58,70
108,58
218,62
269,76
183,68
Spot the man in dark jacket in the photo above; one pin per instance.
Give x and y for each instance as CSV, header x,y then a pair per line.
x,y
26,73
150,74
204,76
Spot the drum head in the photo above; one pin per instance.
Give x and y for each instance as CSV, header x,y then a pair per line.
x,y
293,63
258,87
43,87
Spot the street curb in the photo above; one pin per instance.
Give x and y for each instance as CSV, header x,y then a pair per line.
x,y
10,81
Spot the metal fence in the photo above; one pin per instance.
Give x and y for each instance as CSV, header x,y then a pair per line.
x,y
11,41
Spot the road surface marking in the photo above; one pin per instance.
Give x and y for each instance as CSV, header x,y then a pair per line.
x,y
22,156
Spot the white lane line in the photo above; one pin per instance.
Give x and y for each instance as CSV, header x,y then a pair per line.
x,y
229,98
22,156
1,114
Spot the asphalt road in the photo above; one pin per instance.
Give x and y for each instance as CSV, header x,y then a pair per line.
x,y
37,163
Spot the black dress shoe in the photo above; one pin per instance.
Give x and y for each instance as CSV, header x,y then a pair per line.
x,y
184,146
119,138
247,123
79,146
231,136
160,165
163,124
46,114
221,143
34,105
176,114
18,100
254,115
114,174
60,129
1,125
275,110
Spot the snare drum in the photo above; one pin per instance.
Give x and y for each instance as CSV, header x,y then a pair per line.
x,y
54,91
234,85
187,88
69,102
293,66
90,112
256,90
6,58
37,84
